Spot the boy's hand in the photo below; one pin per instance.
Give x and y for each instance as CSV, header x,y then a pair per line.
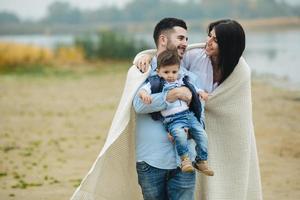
x,y
203,95
146,98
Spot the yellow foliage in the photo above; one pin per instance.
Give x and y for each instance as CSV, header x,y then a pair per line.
x,y
20,54
16,54
70,55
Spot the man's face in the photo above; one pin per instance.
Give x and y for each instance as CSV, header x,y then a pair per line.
x,y
169,73
177,40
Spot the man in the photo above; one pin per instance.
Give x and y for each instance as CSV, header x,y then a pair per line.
x,y
157,168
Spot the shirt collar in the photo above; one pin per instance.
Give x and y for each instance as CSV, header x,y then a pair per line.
x,y
154,63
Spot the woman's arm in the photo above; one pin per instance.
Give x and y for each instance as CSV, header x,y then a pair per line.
x,y
142,60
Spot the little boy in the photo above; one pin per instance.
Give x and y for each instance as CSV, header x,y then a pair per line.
x,y
178,117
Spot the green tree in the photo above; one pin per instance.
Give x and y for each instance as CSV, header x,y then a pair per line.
x,y
62,12
110,45
7,17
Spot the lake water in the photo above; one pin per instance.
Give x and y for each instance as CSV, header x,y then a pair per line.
x,y
273,56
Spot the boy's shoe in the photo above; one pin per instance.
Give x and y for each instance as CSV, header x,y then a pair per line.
x,y
186,165
202,167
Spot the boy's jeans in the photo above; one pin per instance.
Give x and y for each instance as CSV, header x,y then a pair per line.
x,y
175,125
165,184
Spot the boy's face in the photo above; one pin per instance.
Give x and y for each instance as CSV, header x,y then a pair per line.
x,y
169,73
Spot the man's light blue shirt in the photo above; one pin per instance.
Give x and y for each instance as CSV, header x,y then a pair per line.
x,y
152,143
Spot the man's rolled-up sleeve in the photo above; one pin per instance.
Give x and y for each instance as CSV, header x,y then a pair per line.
x,y
157,104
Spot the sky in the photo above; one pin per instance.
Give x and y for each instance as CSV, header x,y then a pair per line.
x,y
36,9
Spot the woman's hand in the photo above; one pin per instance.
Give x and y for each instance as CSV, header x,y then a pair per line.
x,y
203,95
181,93
143,62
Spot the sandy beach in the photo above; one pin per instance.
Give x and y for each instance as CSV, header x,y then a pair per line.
x,y
52,129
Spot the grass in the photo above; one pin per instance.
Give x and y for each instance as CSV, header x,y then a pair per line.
x,y
50,118
66,70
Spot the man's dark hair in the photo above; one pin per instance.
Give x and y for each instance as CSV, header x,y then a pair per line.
x,y
167,58
167,24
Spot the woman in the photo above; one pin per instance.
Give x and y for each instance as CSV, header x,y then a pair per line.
x,y
224,47
226,76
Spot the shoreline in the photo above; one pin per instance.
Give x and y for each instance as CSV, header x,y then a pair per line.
x,y
259,24
276,82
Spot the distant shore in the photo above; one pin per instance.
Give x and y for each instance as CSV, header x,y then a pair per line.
x,y
262,24
277,82
38,28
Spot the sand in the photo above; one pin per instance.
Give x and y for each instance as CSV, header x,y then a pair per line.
x,y
52,129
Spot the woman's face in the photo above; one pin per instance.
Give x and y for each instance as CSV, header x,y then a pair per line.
x,y
211,47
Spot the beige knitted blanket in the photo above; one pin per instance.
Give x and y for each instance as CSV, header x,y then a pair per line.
x,y
232,147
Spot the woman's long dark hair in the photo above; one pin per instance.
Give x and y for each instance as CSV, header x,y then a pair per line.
x,y
231,41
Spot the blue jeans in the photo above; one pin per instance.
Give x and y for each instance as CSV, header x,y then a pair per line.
x,y
176,123
165,184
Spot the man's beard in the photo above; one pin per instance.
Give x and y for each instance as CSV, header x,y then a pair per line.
x,y
178,49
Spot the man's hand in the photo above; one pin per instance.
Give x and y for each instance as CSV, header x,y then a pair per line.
x,y
181,93
143,62
171,138
146,98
